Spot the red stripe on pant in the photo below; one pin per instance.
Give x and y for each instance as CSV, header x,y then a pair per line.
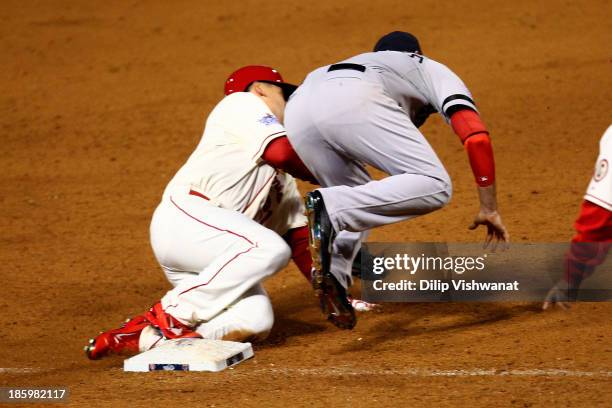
x,y
253,245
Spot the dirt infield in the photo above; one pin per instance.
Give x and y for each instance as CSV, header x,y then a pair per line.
x,y
102,103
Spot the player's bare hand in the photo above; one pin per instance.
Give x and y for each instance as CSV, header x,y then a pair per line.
x,y
490,218
496,231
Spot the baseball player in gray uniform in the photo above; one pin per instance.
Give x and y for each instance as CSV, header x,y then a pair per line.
x,y
367,110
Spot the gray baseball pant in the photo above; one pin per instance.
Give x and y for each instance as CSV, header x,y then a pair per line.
x,y
342,120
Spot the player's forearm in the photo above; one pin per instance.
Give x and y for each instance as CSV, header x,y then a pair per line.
x,y
488,198
480,154
298,169
475,138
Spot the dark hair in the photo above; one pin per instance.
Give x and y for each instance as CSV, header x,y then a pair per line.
x,y
398,41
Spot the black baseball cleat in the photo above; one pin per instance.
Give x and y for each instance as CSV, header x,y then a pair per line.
x,y
332,295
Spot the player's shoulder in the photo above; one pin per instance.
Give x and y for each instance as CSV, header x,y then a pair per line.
x,y
380,57
400,58
436,66
239,101
237,105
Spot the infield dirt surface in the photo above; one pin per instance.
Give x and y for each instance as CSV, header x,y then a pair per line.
x,y
103,101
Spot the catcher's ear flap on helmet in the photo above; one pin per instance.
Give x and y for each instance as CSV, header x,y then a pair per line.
x,y
398,41
242,78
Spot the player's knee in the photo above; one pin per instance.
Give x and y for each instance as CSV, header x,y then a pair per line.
x,y
440,198
281,255
276,252
446,193
442,184
250,318
255,322
261,324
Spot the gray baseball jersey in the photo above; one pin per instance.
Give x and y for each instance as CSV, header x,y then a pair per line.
x,y
418,84
367,110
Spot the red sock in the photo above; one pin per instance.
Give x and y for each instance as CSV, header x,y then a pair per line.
x,y
297,239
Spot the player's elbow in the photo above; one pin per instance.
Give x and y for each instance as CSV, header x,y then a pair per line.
x,y
281,160
279,153
478,141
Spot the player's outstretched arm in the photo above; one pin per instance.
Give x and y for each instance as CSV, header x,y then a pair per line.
x,y
467,125
590,246
280,154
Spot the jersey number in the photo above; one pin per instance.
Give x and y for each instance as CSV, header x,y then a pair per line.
x,y
413,55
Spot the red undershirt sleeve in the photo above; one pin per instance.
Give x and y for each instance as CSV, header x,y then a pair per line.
x,y
468,126
280,154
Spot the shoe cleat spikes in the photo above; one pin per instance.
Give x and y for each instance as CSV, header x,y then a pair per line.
x,y
89,348
331,293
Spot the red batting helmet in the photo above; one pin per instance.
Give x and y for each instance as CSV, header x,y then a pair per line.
x,y
242,78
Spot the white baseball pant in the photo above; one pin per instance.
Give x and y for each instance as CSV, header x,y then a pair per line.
x,y
216,258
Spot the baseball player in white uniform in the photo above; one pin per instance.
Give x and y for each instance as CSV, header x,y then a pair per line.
x,y
367,110
593,238
227,220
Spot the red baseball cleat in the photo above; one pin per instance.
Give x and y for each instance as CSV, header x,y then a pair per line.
x,y
123,340
170,326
